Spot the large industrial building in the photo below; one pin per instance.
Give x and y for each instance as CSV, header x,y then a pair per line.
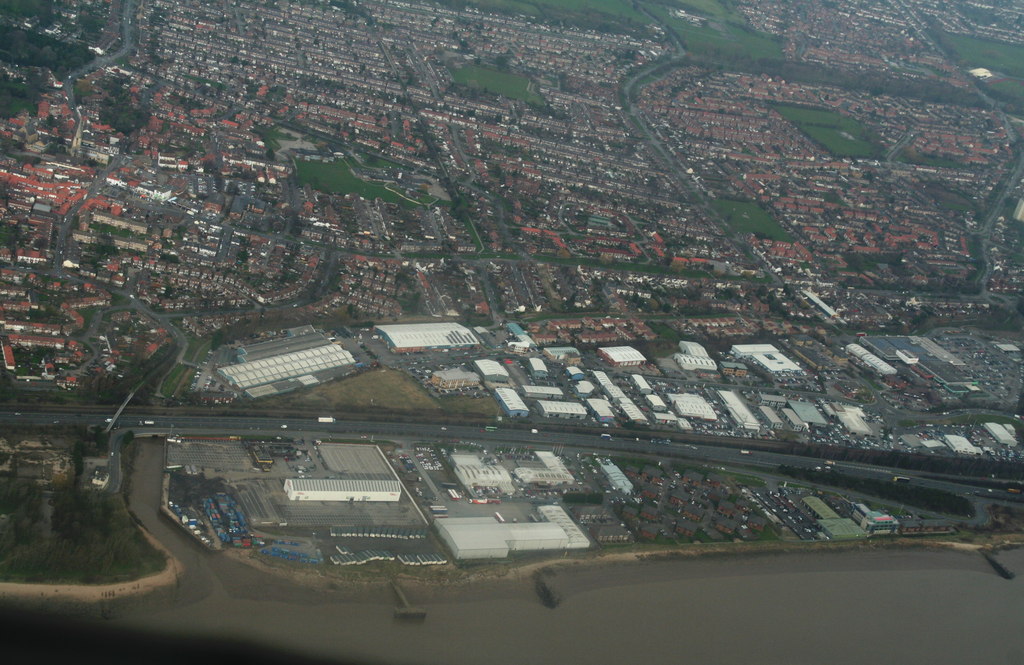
x,y
560,409
692,356
621,356
411,337
451,379
326,489
550,472
739,410
304,357
471,472
491,371
487,538
691,405
1004,434
870,360
511,403
768,357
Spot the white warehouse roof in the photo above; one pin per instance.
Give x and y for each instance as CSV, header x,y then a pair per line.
x,y
561,409
961,445
287,366
490,368
1003,434
471,472
691,405
428,335
738,410
622,354
542,391
693,356
767,356
486,538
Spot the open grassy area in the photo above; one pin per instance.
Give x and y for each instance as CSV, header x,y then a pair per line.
x,y
586,13
746,217
841,135
337,178
1010,88
172,384
996,56
381,391
708,8
718,37
507,84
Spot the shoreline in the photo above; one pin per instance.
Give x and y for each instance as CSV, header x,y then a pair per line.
x,y
95,594
488,576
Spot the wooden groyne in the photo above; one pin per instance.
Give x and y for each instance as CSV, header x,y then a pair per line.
x,y
404,610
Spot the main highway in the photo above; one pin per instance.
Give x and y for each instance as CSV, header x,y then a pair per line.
x,y
308,428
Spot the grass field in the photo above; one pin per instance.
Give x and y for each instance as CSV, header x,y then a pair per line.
x,y
337,178
1010,88
379,391
745,217
841,135
720,36
582,12
708,8
507,84
997,56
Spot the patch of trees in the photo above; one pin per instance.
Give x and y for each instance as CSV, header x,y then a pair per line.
x,y
121,113
920,497
31,49
92,538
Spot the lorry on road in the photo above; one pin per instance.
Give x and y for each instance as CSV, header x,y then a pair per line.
x,y
325,419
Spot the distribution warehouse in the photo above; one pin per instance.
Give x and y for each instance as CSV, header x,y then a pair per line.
x,y
486,538
304,357
325,489
406,338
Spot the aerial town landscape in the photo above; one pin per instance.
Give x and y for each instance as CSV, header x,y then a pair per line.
x,y
430,295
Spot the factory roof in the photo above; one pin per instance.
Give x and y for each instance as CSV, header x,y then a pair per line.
x,y
561,408
622,354
341,485
428,335
287,366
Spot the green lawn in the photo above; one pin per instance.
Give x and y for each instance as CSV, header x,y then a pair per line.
x,y
337,178
1009,88
841,135
721,37
507,84
746,217
997,56
575,12
708,8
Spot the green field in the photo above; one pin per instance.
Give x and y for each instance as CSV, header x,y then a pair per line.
x,y
746,217
841,135
507,84
998,56
585,13
708,8
337,178
1009,88
729,37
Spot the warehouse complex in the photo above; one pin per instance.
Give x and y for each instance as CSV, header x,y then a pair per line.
x,y
693,356
326,489
472,472
768,357
621,356
487,538
303,357
410,337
